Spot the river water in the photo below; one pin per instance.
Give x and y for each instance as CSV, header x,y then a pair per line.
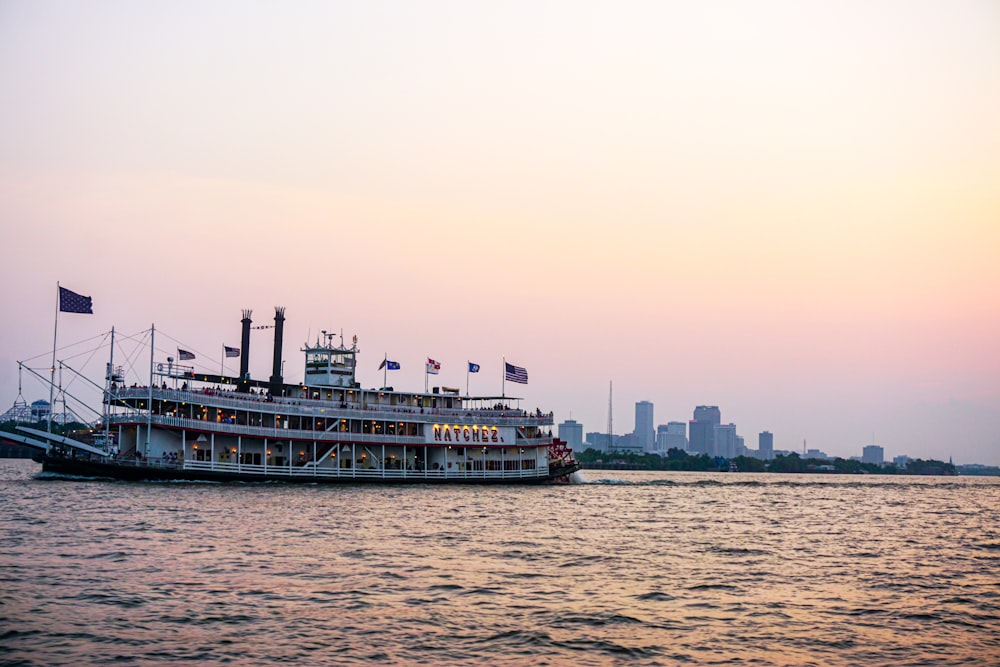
x,y
633,568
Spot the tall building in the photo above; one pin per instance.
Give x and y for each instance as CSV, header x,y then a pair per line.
x,y
644,434
599,441
706,418
765,444
572,432
672,435
724,441
873,454
626,444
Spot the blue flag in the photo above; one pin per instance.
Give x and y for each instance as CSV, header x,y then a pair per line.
x,y
71,302
473,368
390,365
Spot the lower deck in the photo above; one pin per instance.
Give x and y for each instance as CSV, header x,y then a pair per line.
x,y
153,470
282,457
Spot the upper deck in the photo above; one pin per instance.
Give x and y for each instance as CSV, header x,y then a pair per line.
x,y
352,404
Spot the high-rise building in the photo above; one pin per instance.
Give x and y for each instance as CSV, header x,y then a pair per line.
x,y
598,441
626,444
706,418
645,436
572,432
672,435
873,454
765,444
724,436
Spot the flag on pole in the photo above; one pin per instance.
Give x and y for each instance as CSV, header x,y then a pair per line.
x,y
232,351
514,373
389,365
473,368
433,367
71,302
184,355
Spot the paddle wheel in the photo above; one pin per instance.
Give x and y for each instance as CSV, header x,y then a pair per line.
x,y
561,458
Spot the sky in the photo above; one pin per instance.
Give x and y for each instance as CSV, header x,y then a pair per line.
x,y
790,210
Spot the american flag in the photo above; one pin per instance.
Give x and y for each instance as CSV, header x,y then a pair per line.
x,y
71,302
184,355
433,367
515,373
232,351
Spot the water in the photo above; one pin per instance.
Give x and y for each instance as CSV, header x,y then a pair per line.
x,y
632,568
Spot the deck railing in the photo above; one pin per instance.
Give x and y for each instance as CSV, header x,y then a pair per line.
x,y
273,433
353,410
361,473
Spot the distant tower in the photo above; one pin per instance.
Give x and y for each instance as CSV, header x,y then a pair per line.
x,y
765,445
672,435
873,454
644,432
701,430
572,432
724,439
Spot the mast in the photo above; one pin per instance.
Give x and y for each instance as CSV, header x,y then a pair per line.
x,y
109,386
149,405
52,368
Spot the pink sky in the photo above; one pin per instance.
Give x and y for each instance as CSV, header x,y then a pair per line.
x,y
788,210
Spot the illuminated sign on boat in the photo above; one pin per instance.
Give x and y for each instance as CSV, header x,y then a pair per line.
x,y
461,434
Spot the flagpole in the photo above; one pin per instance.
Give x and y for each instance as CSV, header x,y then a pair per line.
x,y
109,400
503,382
149,406
467,378
385,370
52,368
222,364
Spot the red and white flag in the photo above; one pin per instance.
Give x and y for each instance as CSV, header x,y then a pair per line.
x,y
433,367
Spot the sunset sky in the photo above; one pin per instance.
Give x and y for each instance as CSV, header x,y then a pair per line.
x,y
790,210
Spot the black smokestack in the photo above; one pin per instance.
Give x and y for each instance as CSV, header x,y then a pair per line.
x,y
244,385
279,326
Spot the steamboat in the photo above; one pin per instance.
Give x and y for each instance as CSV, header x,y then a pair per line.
x,y
191,426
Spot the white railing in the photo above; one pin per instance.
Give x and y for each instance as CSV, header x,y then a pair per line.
x,y
268,432
273,433
318,408
362,473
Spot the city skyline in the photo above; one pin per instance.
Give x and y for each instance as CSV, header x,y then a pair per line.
x,y
786,210
725,441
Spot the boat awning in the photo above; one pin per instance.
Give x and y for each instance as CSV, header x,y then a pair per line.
x,y
69,442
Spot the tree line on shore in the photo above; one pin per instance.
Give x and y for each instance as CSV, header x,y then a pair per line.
x,y
678,459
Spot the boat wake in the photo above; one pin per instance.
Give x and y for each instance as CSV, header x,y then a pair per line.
x,y
63,476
